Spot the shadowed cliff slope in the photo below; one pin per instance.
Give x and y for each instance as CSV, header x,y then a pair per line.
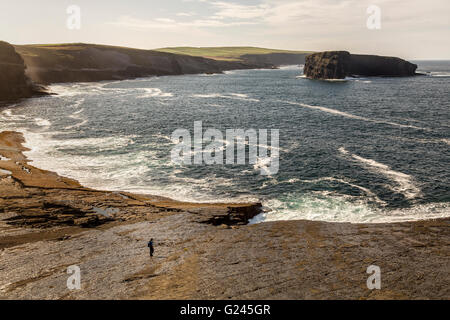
x,y
14,84
341,64
89,62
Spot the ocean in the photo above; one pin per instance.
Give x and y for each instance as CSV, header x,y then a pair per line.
x,y
355,150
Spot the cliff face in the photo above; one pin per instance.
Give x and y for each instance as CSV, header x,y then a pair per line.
x,y
14,84
327,65
276,59
88,62
341,64
80,62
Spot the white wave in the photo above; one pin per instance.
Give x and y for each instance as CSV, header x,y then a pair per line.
x,y
335,80
405,184
77,116
440,74
78,103
424,140
237,96
346,79
121,172
168,138
83,89
263,164
322,207
315,207
42,144
64,90
5,172
78,112
155,92
91,169
291,67
42,122
367,191
77,125
352,116
8,115
211,95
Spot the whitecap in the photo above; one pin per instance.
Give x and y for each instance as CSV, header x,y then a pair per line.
x,y
77,116
42,122
405,184
77,125
332,208
352,116
5,172
154,92
8,115
439,74
236,96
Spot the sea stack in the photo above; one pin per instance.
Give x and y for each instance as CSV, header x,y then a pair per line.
x,y
14,84
341,64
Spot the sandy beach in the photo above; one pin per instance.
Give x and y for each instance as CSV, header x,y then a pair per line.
x,y
202,251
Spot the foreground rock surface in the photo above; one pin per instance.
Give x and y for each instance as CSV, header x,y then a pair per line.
x,y
203,251
341,64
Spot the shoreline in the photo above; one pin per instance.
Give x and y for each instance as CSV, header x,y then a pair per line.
x,y
202,251
14,161
434,210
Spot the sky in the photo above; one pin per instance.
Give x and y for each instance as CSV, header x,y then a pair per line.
x,y
411,29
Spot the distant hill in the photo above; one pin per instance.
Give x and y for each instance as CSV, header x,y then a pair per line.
x,y
80,62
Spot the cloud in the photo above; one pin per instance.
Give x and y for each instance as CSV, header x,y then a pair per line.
x,y
239,11
170,24
185,14
310,24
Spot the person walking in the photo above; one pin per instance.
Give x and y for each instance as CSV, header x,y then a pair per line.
x,y
150,245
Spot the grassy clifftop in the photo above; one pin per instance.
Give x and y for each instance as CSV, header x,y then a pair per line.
x,y
226,53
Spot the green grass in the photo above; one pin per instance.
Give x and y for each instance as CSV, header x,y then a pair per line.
x,y
223,53
218,53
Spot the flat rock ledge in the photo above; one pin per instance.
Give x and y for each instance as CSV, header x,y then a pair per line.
x,y
202,251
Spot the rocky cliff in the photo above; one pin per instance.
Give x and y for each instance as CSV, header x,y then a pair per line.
x,y
14,84
341,64
89,62
275,59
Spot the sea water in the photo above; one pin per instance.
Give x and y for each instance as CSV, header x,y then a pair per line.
x,y
356,150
